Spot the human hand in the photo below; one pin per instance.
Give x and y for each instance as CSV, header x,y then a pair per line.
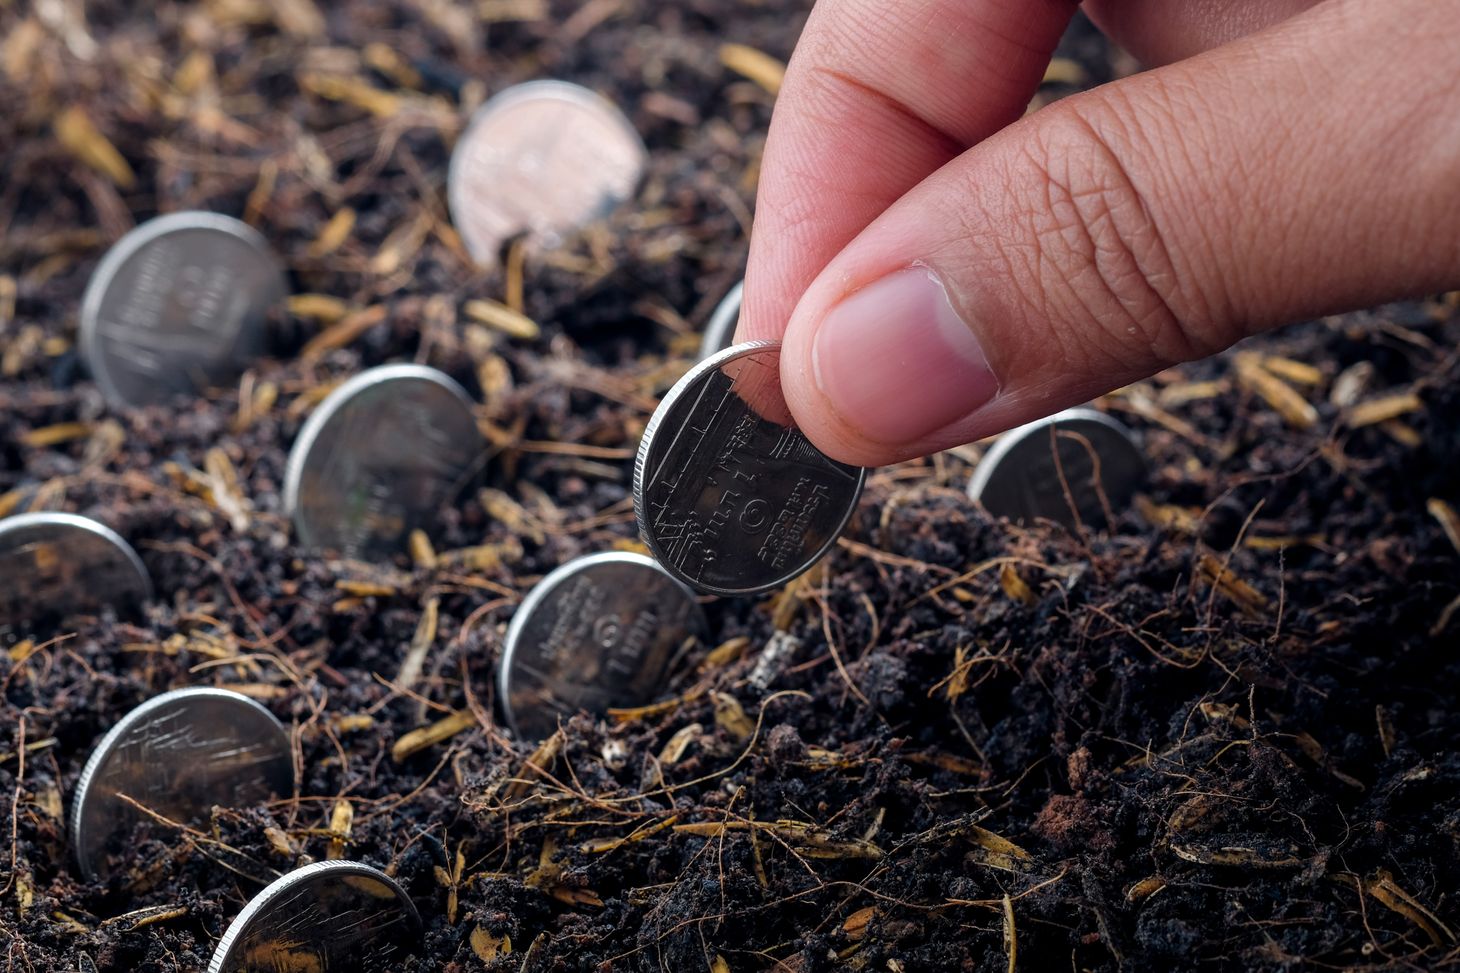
x,y
941,270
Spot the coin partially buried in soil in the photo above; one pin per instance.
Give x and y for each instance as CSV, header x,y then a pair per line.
x,y
177,755
330,917
180,304
730,496
378,458
720,331
1025,473
57,565
598,632
541,158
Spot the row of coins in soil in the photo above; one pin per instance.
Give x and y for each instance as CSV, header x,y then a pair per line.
x,y
181,302
179,755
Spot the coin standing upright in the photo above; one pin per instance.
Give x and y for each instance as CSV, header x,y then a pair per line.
x,y
330,917
1066,468
731,497
378,458
177,755
180,304
596,633
720,331
56,565
541,159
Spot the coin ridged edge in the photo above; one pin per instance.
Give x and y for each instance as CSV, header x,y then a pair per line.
x,y
327,409
722,323
641,461
550,87
137,713
16,521
289,879
543,588
125,249
988,464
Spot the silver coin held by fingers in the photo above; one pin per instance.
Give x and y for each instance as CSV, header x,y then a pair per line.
x,y
57,565
180,304
598,632
176,756
731,497
378,458
541,158
720,331
1079,465
328,917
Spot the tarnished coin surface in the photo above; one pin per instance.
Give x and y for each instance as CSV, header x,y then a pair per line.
x,y
328,917
541,158
1068,466
178,305
731,497
57,565
720,331
378,458
177,755
598,632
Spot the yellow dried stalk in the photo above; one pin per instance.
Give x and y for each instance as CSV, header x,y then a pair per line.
x,y
500,317
80,136
333,234
343,332
1382,409
421,642
62,432
1281,397
758,66
428,736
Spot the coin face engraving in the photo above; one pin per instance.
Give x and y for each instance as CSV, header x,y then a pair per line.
x,y
1024,475
598,632
379,457
541,158
731,497
328,917
178,305
720,331
176,755
57,565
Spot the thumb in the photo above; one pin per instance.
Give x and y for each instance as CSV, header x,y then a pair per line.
x,y
1310,168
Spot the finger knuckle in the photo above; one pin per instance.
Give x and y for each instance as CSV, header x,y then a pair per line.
x,y
1099,254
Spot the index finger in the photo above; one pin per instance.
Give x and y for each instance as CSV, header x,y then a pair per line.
x,y
877,97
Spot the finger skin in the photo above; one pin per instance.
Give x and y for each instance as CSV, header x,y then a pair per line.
x,y
1310,168
878,95
1165,31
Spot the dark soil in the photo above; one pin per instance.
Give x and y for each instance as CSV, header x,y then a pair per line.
x,y
1219,735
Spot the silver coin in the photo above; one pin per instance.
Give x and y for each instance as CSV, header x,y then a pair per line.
x,y
178,755
178,305
58,565
541,158
731,497
1025,473
378,458
598,632
720,332
328,917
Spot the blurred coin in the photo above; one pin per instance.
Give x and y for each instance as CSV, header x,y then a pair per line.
x,y
180,304
177,755
720,332
541,158
1024,474
328,917
378,458
58,565
598,632
731,498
